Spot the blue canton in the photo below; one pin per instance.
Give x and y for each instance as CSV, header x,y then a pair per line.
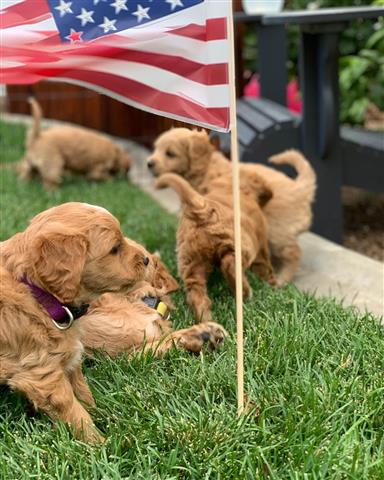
x,y
84,20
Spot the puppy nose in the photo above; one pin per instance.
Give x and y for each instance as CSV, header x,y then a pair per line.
x,y
150,163
146,261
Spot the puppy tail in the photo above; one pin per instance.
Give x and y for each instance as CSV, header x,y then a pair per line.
x,y
188,196
37,114
306,177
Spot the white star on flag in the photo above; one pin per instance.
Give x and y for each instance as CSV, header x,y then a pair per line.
x,y
95,2
119,5
86,17
141,13
64,7
174,4
108,25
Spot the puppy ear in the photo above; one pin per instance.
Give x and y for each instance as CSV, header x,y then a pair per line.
x,y
199,151
124,160
199,144
265,195
215,141
260,187
58,261
163,279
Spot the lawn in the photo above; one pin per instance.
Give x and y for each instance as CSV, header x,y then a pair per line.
x,y
314,376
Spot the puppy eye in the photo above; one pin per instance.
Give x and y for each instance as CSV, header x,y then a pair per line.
x,y
170,154
115,249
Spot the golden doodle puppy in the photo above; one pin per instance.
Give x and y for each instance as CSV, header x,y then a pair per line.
x,y
66,259
190,154
205,236
58,150
117,323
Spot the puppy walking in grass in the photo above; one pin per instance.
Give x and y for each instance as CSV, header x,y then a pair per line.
x,y
58,150
205,236
190,154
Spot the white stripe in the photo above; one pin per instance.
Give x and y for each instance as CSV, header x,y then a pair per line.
x,y
45,25
10,64
214,51
154,77
4,4
140,106
21,38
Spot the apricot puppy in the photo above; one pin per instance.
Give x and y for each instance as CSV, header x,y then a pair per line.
x,y
66,258
190,154
117,323
205,236
57,150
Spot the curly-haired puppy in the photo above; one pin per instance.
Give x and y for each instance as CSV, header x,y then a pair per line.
x,y
68,256
117,323
190,154
57,150
205,236
66,259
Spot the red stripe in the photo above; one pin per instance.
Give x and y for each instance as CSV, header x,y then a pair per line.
x,y
215,74
29,11
130,90
215,29
155,99
29,56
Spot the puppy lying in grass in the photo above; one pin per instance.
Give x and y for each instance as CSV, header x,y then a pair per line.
x,y
205,236
117,323
190,154
62,149
66,259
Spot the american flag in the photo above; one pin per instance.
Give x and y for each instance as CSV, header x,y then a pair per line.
x,y
168,57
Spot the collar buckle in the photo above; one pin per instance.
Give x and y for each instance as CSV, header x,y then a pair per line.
x,y
64,326
160,307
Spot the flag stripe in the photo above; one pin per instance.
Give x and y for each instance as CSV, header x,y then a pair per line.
x,y
160,101
215,29
211,52
24,12
211,96
215,74
155,100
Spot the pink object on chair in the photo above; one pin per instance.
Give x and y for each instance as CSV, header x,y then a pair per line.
x,y
294,103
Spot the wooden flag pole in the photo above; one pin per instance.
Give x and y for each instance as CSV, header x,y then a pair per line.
x,y
237,216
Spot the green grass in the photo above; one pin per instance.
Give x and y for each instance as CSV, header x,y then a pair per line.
x,y
314,374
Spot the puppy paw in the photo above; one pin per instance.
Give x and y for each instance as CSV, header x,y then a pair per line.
x,y
91,436
280,281
247,293
210,334
203,317
145,290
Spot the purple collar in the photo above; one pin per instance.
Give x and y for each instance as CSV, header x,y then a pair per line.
x,y
62,315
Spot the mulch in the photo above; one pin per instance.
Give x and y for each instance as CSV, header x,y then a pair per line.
x,y
364,222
